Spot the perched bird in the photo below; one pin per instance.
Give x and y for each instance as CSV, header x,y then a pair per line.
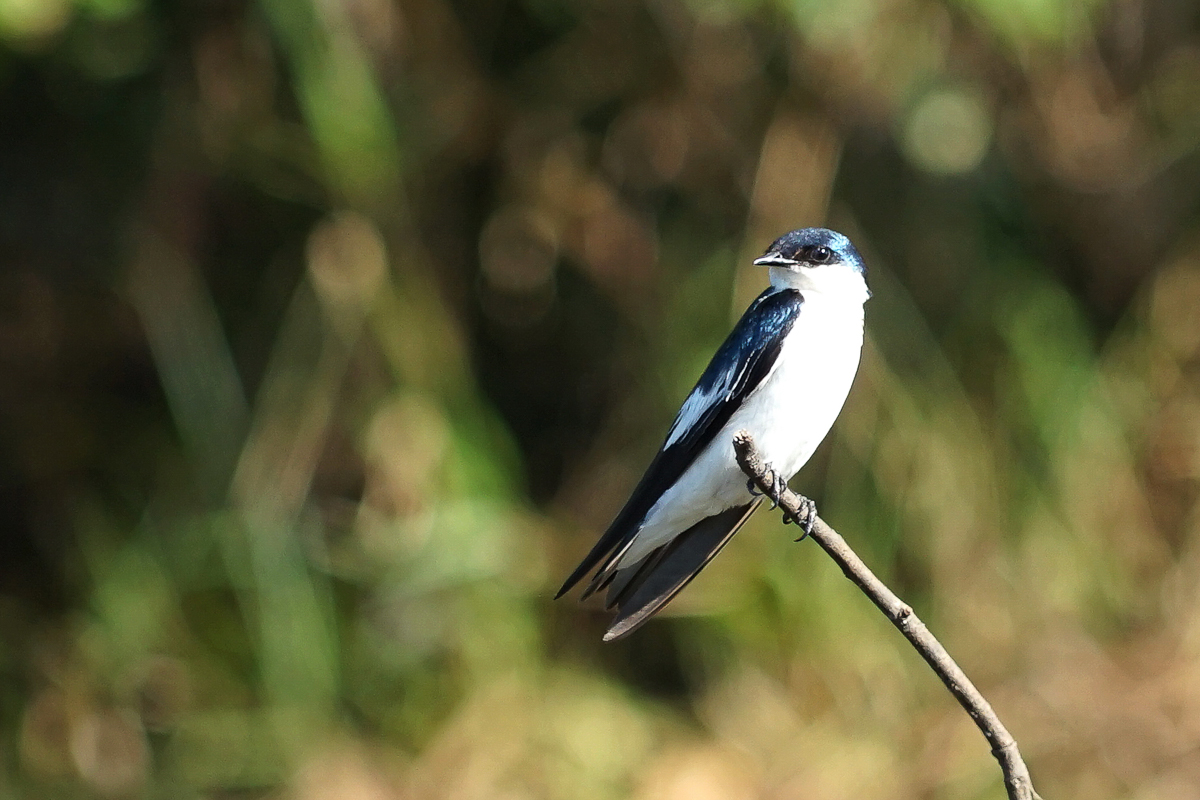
x,y
782,374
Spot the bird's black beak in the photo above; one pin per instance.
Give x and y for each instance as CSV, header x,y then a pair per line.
x,y
774,260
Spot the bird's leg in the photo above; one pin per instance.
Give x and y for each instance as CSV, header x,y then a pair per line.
x,y
778,487
809,508
806,517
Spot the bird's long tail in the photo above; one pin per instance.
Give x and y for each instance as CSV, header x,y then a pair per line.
x,y
641,590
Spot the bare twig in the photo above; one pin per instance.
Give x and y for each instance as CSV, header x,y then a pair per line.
x,y
1016,775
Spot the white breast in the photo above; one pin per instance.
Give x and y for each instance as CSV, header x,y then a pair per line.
x,y
797,405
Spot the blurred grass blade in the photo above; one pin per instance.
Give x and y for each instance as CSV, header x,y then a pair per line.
x,y
191,355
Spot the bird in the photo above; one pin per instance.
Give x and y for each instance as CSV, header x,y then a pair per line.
x,y
783,375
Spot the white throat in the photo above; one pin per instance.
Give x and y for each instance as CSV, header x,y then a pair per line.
x,y
835,284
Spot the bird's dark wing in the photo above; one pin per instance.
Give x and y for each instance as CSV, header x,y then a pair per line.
x,y
653,583
739,367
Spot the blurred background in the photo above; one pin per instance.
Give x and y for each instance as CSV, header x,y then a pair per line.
x,y
333,333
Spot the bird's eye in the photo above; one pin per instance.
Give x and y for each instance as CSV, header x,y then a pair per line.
x,y
820,254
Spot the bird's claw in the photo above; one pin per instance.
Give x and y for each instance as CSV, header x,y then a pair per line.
x,y
807,516
778,487
810,518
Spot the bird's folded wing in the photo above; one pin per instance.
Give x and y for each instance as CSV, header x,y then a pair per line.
x,y
740,366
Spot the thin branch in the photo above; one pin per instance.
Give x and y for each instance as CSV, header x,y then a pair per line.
x,y
1016,775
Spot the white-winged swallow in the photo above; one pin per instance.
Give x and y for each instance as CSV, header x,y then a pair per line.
x,y
782,375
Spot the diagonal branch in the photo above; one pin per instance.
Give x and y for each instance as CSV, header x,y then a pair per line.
x,y
1016,775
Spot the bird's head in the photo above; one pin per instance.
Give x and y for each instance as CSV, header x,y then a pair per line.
x,y
817,260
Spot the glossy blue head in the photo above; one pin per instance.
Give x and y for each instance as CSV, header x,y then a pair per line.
x,y
817,260
813,247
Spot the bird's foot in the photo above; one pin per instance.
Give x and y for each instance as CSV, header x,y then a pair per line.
x,y
809,510
778,487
